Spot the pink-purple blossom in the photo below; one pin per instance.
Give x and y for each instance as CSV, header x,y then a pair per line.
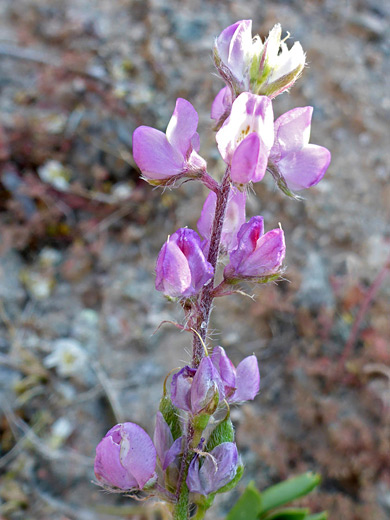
x,y
125,457
182,269
210,472
167,449
162,157
246,137
234,218
298,163
222,104
196,390
241,383
233,53
257,255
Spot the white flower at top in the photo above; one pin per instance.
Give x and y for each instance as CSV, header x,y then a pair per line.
x,y
248,64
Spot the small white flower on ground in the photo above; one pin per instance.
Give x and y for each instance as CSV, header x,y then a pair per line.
x,y
68,357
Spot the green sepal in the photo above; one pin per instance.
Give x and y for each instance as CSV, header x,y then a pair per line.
x,y
199,423
171,416
248,506
318,516
223,432
288,514
285,492
203,504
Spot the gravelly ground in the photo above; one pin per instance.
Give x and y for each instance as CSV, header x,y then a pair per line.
x,y
76,78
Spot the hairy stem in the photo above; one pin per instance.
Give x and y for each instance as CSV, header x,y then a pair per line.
x,y
181,511
206,296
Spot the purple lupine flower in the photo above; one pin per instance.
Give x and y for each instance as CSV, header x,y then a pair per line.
x,y
233,53
257,255
299,163
234,218
182,269
246,137
196,390
222,104
125,457
241,383
217,469
162,157
167,449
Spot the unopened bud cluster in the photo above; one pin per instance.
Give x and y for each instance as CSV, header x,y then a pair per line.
x,y
193,455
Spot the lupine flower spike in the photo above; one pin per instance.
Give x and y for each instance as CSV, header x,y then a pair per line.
x,y
193,455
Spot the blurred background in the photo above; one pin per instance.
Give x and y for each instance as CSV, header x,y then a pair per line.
x,y
79,235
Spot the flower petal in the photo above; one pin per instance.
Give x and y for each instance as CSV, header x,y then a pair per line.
x,y
234,46
181,388
306,167
173,275
247,380
137,453
162,438
182,126
234,218
247,237
108,468
292,131
226,371
268,256
249,114
204,386
153,154
222,102
245,159
174,451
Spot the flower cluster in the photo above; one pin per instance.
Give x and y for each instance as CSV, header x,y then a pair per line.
x,y
127,458
193,455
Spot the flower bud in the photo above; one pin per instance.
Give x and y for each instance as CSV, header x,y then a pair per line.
x,y
182,269
196,390
215,470
163,157
167,449
204,390
232,55
234,218
294,162
125,457
258,256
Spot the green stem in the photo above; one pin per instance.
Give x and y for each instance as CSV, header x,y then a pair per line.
x,y
200,512
182,510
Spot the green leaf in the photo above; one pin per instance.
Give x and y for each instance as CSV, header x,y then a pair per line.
x,y
248,506
289,514
171,416
285,492
318,516
223,432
